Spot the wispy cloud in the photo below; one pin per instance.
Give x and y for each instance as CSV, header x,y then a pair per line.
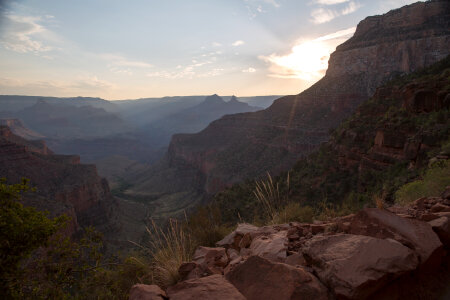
x,y
23,34
249,70
307,60
255,7
330,2
81,85
216,44
323,15
238,43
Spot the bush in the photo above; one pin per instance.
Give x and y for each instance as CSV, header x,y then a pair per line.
x,y
436,178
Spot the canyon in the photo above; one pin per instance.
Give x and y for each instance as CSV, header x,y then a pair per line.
x,y
247,145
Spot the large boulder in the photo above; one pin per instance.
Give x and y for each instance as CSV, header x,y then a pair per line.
x,y
258,278
211,287
147,292
442,228
354,266
414,234
272,247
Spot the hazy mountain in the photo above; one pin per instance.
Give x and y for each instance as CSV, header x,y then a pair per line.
x,y
193,119
61,120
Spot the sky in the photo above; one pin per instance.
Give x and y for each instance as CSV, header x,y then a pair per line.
x,y
116,49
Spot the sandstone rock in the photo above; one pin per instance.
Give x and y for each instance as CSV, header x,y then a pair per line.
x,y
190,270
257,278
442,228
354,266
245,241
438,207
414,234
211,259
272,247
211,287
233,239
232,254
295,259
146,292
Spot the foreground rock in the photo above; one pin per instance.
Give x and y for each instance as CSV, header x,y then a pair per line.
x,y
374,254
354,266
414,234
211,287
147,292
258,278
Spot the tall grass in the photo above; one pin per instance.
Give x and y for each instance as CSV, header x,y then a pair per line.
x,y
169,249
268,194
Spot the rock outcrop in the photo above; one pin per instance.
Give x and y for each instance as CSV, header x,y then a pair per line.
x,y
63,185
246,145
375,254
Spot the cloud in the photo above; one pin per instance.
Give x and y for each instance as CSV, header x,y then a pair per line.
x,y
255,7
216,44
274,3
323,15
238,43
81,85
249,70
352,7
330,2
121,61
23,34
307,60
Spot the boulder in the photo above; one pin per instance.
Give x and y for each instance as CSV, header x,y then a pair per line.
x,y
272,247
414,234
442,228
146,292
355,266
258,278
211,287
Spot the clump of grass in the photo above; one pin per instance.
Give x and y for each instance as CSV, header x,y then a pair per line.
x,y
169,249
268,194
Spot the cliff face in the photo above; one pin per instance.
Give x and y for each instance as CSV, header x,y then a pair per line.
x,y
246,145
63,184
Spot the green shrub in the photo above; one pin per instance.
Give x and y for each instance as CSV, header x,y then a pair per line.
x,y
436,178
294,212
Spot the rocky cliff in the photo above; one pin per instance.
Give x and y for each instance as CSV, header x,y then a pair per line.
x,y
63,184
246,145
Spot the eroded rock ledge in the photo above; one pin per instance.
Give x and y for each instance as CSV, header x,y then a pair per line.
x,y
375,254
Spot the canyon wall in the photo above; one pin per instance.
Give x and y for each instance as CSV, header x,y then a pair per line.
x,y
63,185
247,145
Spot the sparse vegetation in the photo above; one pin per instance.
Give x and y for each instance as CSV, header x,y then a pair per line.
x,y
434,181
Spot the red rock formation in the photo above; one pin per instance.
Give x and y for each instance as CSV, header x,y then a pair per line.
x,y
247,145
63,184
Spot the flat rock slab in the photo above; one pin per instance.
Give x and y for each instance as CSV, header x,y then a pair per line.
x,y
354,266
258,278
414,234
211,287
